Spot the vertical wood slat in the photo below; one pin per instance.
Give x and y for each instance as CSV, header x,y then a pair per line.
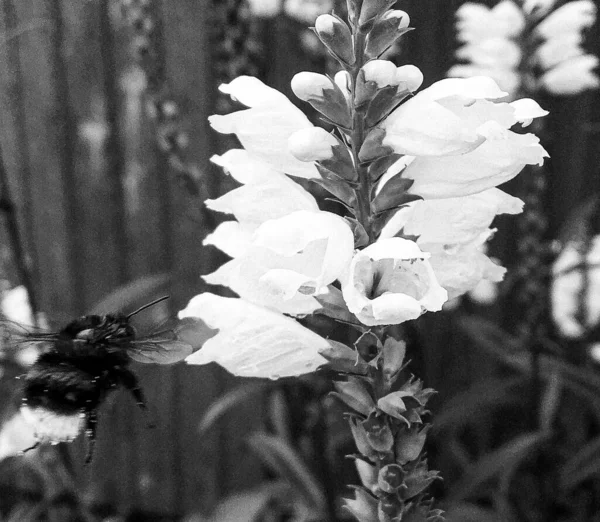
x,y
48,148
186,30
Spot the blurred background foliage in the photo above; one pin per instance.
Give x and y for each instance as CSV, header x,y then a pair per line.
x,y
105,151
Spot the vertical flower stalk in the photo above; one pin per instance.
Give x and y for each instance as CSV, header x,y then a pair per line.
x,y
416,174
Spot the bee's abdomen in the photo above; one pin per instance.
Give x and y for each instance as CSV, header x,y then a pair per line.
x,y
62,387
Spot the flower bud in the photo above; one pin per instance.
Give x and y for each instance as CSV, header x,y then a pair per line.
x,y
324,95
313,144
382,72
336,36
390,478
410,75
386,31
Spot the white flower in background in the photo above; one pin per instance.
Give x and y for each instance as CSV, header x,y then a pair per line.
x,y
462,140
390,282
306,11
489,43
265,8
567,286
289,261
264,128
495,48
454,231
265,194
569,69
252,341
15,306
16,435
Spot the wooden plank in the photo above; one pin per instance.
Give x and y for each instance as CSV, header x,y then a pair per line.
x,y
49,130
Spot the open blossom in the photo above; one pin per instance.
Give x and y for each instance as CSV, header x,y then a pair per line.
x,y
265,194
289,261
460,139
264,128
252,341
567,287
390,282
454,231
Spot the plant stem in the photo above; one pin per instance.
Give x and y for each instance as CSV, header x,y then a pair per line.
x,y
363,192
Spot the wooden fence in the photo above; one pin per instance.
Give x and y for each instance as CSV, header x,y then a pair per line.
x,y
99,205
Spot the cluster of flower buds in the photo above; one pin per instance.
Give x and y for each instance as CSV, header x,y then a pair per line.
x,y
534,45
389,433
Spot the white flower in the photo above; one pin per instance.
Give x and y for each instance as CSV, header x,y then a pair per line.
x,y
307,11
391,281
252,341
567,286
461,140
265,8
384,73
314,144
264,128
460,268
16,435
290,260
508,80
454,232
568,69
571,17
477,22
572,76
15,306
266,194
452,220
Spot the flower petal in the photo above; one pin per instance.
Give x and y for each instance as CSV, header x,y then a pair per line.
x,y
253,341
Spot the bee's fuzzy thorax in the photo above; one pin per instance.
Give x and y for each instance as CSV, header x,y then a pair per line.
x,y
50,427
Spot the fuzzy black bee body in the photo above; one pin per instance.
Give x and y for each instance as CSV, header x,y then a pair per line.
x,y
82,363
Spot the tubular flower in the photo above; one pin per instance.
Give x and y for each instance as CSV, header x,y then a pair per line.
x,y
264,128
266,194
452,220
252,341
454,231
289,261
390,282
461,141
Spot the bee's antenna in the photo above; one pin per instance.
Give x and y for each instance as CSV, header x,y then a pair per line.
x,y
160,299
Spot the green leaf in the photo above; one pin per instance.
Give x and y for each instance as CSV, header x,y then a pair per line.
x,y
344,359
393,194
491,465
361,238
583,465
230,400
355,394
363,507
393,358
134,294
410,443
335,185
384,102
249,506
380,166
550,401
285,462
334,306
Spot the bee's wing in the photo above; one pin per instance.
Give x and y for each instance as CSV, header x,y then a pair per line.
x,y
171,343
14,335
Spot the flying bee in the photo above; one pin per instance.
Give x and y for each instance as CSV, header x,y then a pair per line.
x,y
86,360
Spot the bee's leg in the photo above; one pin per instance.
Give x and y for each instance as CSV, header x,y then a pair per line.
x,y
35,446
130,381
91,423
